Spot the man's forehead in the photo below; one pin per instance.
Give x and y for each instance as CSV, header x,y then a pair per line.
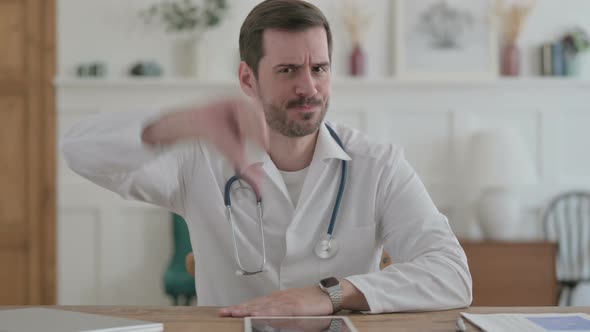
x,y
296,46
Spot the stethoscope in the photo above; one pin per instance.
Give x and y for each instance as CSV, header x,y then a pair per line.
x,y
326,248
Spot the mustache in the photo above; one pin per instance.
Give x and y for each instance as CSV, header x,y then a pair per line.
x,y
304,102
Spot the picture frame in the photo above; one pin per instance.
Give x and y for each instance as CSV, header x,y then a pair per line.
x,y
445,40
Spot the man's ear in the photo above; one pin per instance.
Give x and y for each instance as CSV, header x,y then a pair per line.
x,y
247,79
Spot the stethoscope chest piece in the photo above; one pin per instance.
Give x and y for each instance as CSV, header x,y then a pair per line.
x,y
326,248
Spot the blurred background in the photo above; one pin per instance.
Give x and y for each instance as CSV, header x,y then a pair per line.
x,y
488,98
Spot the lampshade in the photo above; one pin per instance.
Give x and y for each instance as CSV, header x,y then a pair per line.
x,y
499,158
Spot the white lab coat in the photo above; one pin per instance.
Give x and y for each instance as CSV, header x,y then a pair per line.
x,y
384,205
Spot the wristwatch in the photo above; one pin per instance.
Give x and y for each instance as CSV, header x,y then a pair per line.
x,y
331,286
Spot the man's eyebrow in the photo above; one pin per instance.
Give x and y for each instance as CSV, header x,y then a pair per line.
x,y
290,65
295,65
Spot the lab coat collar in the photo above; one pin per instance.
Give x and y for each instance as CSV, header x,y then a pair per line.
x,y
326,148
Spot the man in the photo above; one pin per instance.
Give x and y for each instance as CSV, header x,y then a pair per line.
x,y
285,47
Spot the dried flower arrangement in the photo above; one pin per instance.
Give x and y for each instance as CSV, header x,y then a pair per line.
x,y
355,21
513,17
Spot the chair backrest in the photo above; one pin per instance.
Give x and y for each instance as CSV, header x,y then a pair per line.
x,y
567,222
182,241
177,281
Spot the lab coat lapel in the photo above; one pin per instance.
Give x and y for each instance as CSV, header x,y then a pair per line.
x,y
275,176
326,152
255,154
313,181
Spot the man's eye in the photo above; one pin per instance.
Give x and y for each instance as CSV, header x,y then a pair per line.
x,y
320,69
286,70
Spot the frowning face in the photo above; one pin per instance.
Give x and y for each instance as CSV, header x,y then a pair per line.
x,y
293,82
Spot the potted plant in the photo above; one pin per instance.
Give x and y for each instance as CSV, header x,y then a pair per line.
x,y
187,20
575,42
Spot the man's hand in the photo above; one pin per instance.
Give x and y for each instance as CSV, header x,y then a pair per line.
x,y
308,301
226,124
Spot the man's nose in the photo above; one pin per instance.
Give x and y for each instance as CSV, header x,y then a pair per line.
x,y
306,85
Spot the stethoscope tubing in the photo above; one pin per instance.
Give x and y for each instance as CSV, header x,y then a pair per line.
x,y
331,245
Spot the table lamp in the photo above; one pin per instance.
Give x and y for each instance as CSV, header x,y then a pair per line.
x,y
500,162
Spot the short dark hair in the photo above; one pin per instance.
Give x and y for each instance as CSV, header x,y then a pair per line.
x,y
287,15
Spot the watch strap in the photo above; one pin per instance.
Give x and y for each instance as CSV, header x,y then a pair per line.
x,y
335,294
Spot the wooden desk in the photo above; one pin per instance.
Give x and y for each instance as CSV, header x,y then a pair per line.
x,y
190,319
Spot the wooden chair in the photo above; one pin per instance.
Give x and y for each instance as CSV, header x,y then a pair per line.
x,y
190,263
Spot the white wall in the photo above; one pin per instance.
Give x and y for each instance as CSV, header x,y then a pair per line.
x,y
111,31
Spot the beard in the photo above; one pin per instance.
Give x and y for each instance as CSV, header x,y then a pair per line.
x,y
277,117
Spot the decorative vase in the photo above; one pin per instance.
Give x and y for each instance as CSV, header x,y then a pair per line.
x,y
573,64
185,55
357,61
511,60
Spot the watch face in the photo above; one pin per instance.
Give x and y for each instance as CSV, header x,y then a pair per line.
x,y
329,282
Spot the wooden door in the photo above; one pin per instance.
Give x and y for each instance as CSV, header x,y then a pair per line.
x,y
27,152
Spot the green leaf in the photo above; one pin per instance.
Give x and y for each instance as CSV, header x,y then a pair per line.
x,y
178,15
212,18
176,9
221,4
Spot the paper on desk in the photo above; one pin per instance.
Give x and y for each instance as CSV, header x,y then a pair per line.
x,y
531,322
